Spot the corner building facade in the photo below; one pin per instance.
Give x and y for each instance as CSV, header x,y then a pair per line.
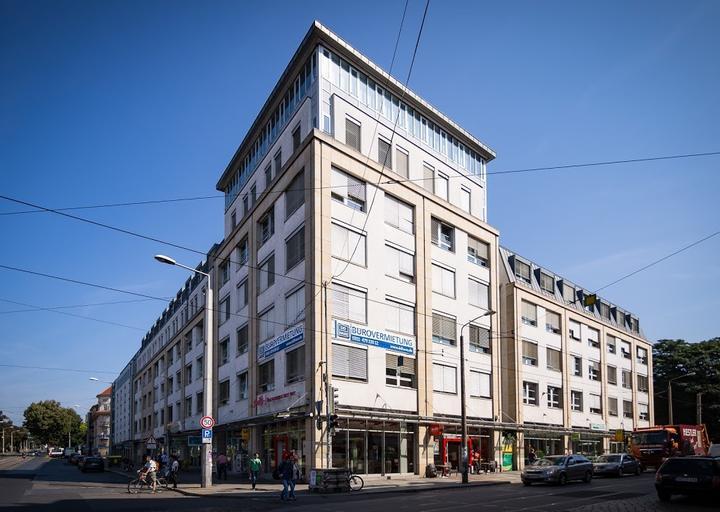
x,y
353,256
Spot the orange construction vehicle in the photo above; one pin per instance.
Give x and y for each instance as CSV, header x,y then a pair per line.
x,y
655,444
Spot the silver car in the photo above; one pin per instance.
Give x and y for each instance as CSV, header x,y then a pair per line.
x,y
616,464
558,469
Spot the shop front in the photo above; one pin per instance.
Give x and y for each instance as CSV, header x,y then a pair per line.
x,y
187,447
281,439
448,445
544,442
590,444
375,447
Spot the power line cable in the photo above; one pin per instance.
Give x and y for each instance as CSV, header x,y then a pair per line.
x,y
697,242
56,369
117,205
70,306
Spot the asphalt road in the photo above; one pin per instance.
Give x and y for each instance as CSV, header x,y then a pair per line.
x,y
39,484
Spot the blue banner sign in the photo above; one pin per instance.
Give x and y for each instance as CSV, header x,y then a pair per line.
x,y
287,339
374,337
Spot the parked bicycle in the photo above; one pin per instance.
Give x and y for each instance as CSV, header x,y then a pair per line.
x,y
140,483
356,482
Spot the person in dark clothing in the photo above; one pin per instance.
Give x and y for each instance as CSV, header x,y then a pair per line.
x,y
289,472
173,471
532,456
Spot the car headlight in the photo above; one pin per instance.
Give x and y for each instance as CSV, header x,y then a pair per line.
x,y
551,471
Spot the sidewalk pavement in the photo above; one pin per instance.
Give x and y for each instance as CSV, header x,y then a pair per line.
x,y
238,487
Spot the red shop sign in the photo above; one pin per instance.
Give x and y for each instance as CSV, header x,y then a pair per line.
x,y
436,430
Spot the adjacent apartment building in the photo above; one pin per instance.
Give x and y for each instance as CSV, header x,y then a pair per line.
x,y
98,423
356,256
122,412
575,377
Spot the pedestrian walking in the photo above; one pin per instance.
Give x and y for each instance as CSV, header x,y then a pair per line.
x,y
172,474
222,466
532,456
255,465
290,472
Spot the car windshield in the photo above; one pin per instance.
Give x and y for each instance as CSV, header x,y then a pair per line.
x,y
650,437
687,465
551,461
608,458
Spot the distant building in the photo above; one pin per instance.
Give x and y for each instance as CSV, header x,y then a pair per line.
x,y
98,422
122,411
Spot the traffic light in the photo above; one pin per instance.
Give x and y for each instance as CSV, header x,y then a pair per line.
x,y
319,422
336,398
332,423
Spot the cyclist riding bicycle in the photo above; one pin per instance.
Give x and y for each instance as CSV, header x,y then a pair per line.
x,y
149,472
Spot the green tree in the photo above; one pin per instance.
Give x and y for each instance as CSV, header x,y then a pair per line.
x,y
701,361
50,423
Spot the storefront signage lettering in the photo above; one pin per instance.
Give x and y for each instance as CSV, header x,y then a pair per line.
x,y
374,337
287,339
597,426
264,400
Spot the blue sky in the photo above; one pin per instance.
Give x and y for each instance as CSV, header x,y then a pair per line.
x,y
104,102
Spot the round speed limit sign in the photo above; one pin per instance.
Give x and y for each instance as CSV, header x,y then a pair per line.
x,y
207,422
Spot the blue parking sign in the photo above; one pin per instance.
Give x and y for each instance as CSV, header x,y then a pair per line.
x,y
207,433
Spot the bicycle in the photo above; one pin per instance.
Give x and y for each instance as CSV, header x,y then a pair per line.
x,y
356,482
138,484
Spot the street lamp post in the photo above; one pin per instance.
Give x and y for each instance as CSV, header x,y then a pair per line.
x,y
670,401
463,412
206,461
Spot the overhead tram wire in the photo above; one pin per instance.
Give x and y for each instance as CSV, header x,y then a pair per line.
x,y
56,369
394,181
392,138
69,306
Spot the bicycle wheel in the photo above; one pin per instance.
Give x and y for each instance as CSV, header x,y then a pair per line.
x,y
134,486
162,482
356,482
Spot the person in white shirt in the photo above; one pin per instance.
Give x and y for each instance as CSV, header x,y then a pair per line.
x,y
149,472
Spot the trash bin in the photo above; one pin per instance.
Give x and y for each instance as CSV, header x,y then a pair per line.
x,y
329,480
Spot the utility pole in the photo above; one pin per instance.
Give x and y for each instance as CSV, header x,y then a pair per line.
x,y
699,408
326,378
12,441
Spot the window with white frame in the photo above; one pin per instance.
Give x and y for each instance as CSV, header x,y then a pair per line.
x,y
552,322
224,392
399,214
547,283
522,271
268,175
295,365
349,303
465,199
568,292
642,383
266,376
479,384
593,337
444,378
243,339
428,182
574,329
266,325
349,362
619,318
224,272
384,153
530,393
478,293
266,274
529,313
443,235
242,294
441,186
266,227
400,317
444,329
199,368
348,245
627,409
243,252
576,400
295,249
595,403
399,371
593,370
625,349
295,306
611,375
443,280
643,412
402,165
352,134
627,379
223,345
224,309
277,161
348,190
554,359
577,366
642,355
242,385
554,397
399,264
479,339
612,406
611,344
478,252
295,194
530,353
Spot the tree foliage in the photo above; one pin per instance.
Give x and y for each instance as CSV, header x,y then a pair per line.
x,y
49,423
701,363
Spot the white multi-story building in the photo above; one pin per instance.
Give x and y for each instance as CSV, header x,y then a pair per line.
x,y
122,412
576,376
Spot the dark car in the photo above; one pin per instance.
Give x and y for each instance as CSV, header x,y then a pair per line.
x,y
558,469
74,458
80,461
93,464
688,476
616,464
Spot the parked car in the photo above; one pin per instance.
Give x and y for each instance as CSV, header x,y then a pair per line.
x,y
93,464
74,458
616,464
80,461
558,469
55,453
688,476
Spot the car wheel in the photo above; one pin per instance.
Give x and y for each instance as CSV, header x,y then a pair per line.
x,y
562,479
638,470
588,477
619,473
664,495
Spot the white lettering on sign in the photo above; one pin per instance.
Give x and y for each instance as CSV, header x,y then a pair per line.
x,y
689,432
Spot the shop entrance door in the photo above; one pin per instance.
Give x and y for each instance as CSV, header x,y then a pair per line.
x,y
282,449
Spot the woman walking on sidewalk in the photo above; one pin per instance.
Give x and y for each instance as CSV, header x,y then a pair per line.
x,y
255,465
290,473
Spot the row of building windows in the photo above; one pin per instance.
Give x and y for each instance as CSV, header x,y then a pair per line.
x,y
577,402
